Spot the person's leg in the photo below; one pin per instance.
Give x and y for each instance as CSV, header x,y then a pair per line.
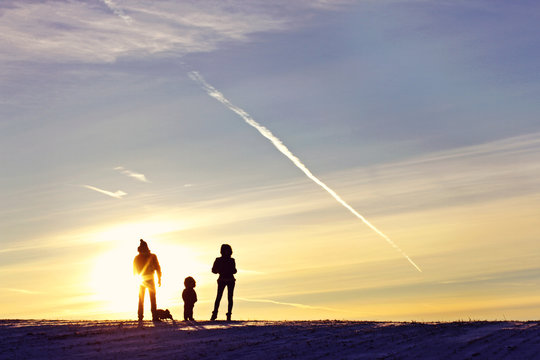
x,y
190,312
186,311
153,304
221,287
230,294
140,312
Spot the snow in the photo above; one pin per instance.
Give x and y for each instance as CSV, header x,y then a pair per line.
x,y
48,339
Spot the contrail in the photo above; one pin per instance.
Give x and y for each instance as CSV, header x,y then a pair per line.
x,y
216,94
117,194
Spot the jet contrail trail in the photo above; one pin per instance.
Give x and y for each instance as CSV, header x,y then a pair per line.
x,y
216,94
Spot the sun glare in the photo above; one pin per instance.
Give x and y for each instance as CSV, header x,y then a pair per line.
x,y
115,287
113,283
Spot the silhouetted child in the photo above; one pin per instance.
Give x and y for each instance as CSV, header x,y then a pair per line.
x,y
190,297
225,266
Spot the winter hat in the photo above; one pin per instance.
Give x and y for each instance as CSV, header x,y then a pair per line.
x,y
143,247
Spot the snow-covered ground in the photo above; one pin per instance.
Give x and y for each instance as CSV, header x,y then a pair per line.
x,y
44,339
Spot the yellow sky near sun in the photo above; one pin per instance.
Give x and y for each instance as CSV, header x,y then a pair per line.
x,y
451,244
470,224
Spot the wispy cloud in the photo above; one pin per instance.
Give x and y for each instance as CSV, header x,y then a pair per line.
x,y
483,172
83,31
138,176
117,194
22,291
117,11
296,305
250,272
331,4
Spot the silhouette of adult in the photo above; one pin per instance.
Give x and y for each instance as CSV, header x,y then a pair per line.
x,y
225,266
144,265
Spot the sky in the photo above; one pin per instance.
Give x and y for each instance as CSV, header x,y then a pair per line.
x,y
420,115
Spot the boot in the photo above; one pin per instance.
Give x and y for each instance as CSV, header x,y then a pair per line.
x,y
228,316
214,316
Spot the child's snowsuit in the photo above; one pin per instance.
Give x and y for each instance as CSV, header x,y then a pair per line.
x,y
190,298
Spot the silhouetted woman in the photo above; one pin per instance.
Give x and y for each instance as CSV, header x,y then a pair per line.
x,y
225,266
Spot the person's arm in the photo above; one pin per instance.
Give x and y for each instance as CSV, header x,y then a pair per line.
x,y
233,266
158,270
215,267
194,296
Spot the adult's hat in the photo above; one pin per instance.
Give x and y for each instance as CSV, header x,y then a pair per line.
x,y
143,247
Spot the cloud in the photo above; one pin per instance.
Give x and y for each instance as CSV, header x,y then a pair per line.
x,y
95,32
117,194
296,305
118,12
22,291
138,176
331,4
484,172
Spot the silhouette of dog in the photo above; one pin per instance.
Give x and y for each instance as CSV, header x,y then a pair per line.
x,y
164,314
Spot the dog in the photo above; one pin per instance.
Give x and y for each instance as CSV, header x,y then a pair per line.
x,y
163,315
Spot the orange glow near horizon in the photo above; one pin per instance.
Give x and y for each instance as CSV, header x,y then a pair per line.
x,y
112,280
115,287
294,262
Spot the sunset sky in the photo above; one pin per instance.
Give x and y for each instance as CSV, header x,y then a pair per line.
x,y
422,115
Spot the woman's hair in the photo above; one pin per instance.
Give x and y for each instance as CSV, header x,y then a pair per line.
x,y
226,250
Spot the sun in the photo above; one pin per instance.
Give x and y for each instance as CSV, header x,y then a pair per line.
x,y
115,288
113,284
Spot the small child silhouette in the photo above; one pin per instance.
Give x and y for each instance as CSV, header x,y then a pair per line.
x,y
190,297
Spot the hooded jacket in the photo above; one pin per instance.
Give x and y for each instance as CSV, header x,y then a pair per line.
x,y
145,264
